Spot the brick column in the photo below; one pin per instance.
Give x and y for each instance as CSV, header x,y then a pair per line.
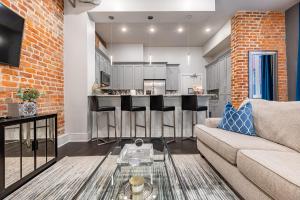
x,y
256,31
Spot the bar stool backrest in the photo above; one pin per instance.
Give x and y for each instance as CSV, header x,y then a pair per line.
x,y
126,102
156,102
93,103
189,102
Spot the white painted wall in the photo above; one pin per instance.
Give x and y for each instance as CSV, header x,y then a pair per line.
x,y
126,52
79,72
217,39
178,55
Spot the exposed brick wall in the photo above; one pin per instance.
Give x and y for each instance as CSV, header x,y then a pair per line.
x,y
256,31
41,64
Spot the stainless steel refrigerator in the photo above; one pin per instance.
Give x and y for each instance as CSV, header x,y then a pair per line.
x,y
154,87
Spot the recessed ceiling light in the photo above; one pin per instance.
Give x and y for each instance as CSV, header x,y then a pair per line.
x,y
180,30
207,30
152,29
124,29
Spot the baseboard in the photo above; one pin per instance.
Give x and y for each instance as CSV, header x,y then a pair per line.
x,y
72,137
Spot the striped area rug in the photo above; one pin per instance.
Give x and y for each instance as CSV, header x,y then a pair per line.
x,y
63,180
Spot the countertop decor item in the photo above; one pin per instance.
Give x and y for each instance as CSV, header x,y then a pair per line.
x,y
198,89
28,96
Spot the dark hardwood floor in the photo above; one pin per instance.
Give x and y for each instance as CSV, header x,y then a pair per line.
x,y
92,149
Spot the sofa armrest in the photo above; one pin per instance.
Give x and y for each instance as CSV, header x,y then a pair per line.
x,y
212,122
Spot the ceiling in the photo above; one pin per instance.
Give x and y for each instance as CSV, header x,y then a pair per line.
x,y
167,23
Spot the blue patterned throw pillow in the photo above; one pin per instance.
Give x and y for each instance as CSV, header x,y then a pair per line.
x,y
240,121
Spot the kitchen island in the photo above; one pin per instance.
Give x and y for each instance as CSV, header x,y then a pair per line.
x,y
144,100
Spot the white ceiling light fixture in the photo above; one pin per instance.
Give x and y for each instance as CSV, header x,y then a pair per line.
x,y
207,30
124,29
152,30
180,29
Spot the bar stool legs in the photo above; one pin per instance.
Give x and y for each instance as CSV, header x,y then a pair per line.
x,y
101,141
163,125
191,137
170,126
141,126
135,124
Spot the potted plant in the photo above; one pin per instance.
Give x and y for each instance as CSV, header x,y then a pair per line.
x,y
28,97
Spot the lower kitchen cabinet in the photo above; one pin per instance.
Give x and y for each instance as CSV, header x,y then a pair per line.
x,y
28,145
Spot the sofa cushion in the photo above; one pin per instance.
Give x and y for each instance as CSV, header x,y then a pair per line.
x,y
276,173
277,121
239,121
212,122
227,144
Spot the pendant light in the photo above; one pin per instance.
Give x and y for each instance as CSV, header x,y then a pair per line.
x,y
151,30
188,55
111,38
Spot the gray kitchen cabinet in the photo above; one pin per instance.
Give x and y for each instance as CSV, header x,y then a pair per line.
x,y
212,77
138,77
219,77
155,72
128,77
223,76
148,72
160,72
115,78
172,78
121,77
97,68
228,74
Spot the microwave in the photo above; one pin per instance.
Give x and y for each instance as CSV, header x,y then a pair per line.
x,y
104,79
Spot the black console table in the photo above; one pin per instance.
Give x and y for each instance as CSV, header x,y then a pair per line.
x,y
28,145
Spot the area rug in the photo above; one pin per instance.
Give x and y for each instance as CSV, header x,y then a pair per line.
x,y
64,179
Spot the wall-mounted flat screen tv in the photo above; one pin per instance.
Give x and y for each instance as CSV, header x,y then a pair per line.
x,y
11,34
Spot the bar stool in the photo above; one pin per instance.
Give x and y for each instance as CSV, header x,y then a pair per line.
x,y
190,103
94,107
126,105
157,104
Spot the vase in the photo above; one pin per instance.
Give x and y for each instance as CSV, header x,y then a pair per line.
x,y
28,109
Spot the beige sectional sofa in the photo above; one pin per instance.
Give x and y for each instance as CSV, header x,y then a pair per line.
x,y
266,166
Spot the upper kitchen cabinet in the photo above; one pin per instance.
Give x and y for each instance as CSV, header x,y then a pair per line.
x,y
223,76
148,72
102,62
212,79
172,73
155,71
128,77
228,74
115,78
138,77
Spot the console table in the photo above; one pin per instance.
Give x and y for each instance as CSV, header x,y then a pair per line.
x,y
28,145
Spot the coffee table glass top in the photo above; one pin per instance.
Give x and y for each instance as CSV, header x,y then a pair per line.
x,y
110,180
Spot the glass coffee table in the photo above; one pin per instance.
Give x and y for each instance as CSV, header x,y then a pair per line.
x,y
110,180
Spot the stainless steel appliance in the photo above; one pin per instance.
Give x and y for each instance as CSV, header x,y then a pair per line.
x,y
154,87
104,79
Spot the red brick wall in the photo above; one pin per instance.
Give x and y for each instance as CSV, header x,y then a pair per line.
x,y
41,64
256,31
